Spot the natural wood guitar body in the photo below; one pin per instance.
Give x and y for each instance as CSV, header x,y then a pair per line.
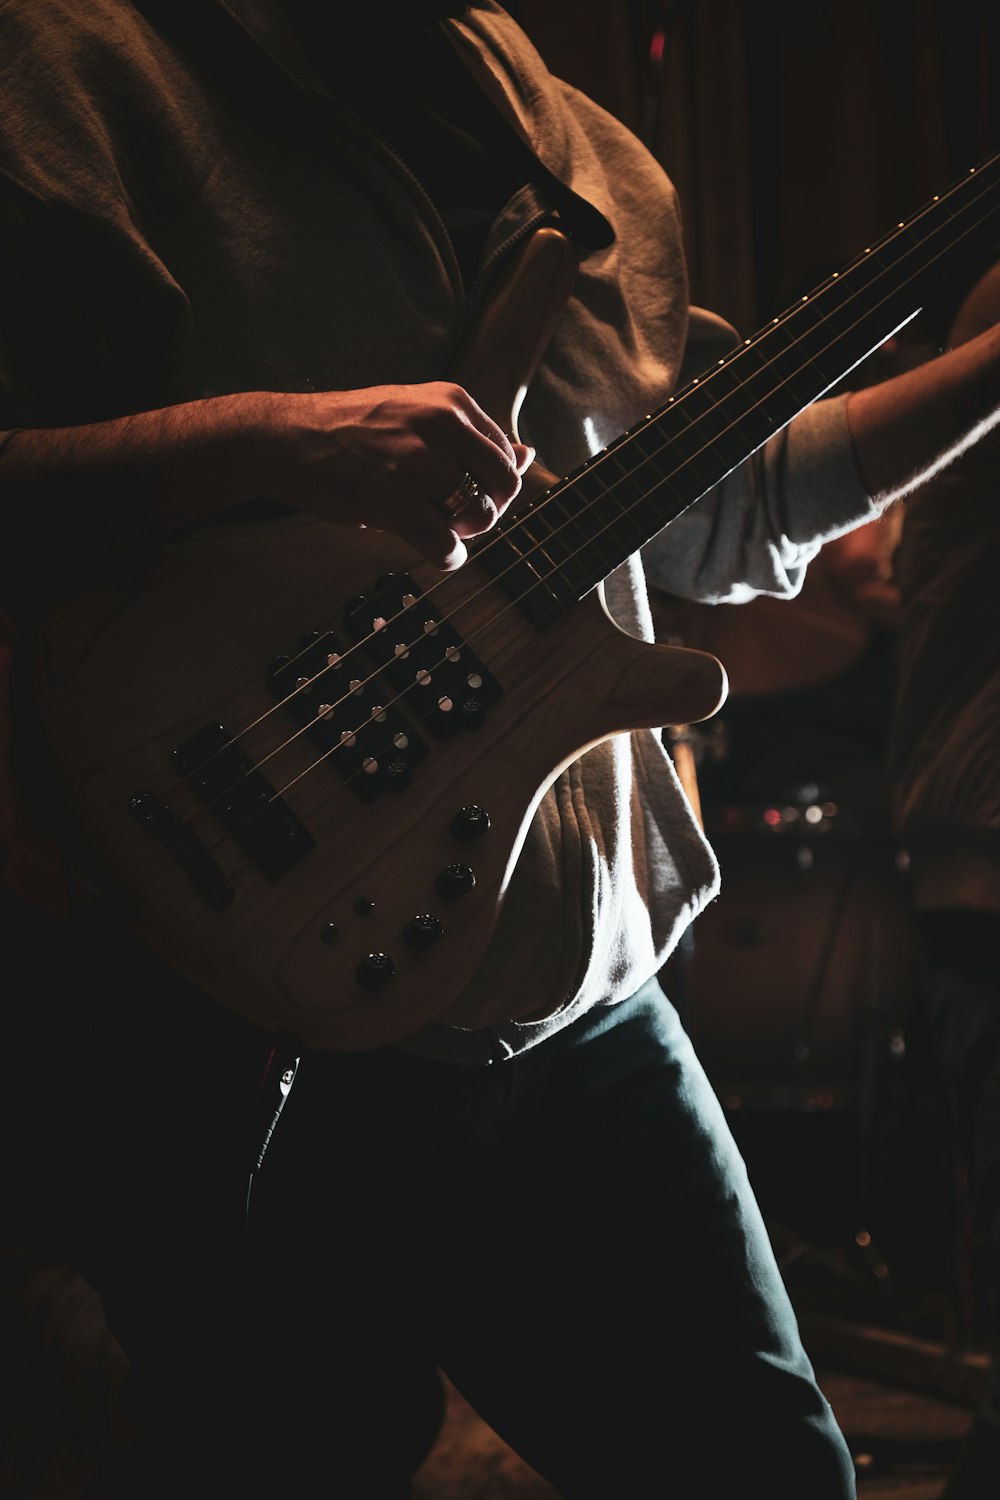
x,y
193,648
277,881
126,679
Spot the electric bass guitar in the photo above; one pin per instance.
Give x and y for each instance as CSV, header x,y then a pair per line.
x,y
309,760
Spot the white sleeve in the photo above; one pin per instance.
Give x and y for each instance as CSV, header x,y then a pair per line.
x,y
758,529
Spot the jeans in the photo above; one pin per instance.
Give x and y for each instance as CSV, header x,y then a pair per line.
x,y
569,1234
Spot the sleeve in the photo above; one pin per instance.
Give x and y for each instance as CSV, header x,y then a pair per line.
x,y
758,529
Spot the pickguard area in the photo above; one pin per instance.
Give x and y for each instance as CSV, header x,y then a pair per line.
x,y
366,699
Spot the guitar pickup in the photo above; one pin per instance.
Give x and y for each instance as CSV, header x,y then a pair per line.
x,y
349,715
180,840
442,681
238,794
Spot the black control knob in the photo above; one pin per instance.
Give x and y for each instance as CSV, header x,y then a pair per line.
x,y
422,932
470,822
455,881
375,971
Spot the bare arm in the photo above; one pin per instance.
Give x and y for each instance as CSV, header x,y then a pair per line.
x,y
907,428
383,457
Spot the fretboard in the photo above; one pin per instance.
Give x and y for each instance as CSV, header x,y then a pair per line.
x,y
580,530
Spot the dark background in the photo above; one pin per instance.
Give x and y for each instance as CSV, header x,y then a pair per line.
x,y
794,132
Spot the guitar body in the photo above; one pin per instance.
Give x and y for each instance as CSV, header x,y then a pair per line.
x,y
286,882
125,680
309,760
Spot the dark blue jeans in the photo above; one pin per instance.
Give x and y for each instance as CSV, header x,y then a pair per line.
x,y
571,1236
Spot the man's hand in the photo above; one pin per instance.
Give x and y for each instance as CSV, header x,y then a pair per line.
x,y
392,457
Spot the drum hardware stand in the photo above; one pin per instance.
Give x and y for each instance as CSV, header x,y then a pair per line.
x,y
952,1367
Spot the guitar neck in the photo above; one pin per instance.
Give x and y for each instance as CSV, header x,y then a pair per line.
x,y
569,539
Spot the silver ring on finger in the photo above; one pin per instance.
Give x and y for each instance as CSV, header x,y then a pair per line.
x,y
467,491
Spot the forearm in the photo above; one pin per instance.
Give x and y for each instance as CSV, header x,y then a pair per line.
x,y
907,428
138,478
386,457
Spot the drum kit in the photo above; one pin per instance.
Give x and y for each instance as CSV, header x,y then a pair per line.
x,y
800,975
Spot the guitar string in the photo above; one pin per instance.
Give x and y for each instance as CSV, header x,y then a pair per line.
x,y
590,468
594,463
556,491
